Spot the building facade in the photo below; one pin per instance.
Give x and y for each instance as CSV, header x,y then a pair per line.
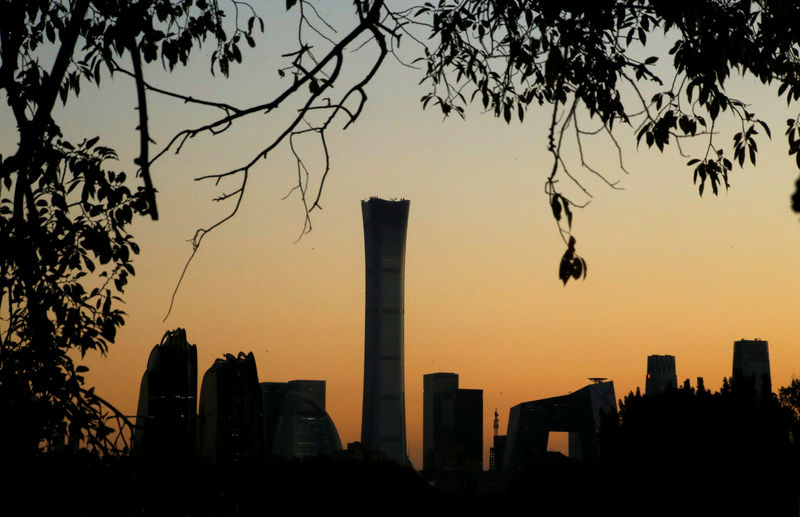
x,y
230,420
383,418
751,365
530,423
661,374
296,423
452,437
167,411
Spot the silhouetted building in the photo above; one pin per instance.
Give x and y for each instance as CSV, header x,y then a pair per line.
x,y
530,423
383,417
660,374
751,364
230,417
295,420
496,452
272,394
452,424
315,390
167,411
304,428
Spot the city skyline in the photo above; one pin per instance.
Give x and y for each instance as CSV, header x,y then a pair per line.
x,y
437,387
668,271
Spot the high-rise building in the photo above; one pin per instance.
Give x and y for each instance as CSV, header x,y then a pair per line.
x,y
660,374
452,424
751,364
383,416
498,448
315,390
497,451
295,421
230,422
167,411
304,428
530,423
272,394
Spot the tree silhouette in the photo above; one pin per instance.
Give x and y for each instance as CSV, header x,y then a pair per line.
x,y
740,444
789,397
604,65
65,252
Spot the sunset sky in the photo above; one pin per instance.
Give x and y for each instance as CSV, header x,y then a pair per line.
x,y
668,272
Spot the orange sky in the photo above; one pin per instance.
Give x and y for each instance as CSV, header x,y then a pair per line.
x,y
669,272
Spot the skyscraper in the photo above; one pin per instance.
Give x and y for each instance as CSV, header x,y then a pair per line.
x,y
230,422
383,416
167,412
751,364
660,374
452,424
295,420
530,423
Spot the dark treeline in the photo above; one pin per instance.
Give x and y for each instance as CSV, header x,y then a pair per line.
x,y
685,452
86,485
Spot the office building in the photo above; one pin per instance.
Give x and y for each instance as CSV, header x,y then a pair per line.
x,y
304,428
272,394
312,389
660,374
230,421
530,423
452,437
383,418
167,410
751,365
496,452
295,420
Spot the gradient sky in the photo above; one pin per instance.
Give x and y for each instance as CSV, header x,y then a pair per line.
x,y
669,272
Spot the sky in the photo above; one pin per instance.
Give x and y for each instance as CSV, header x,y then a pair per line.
x,y
669,272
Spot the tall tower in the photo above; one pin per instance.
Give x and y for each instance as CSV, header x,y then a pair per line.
x,y
660,374
751,364
166,418
230,421
383,416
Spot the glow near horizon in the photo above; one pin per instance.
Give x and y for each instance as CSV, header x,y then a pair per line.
x,y
669,272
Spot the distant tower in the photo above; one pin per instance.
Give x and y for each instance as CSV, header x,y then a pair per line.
x,y
660,374
167,412
498,448
230,420
751,364
452,424
383,417
295,421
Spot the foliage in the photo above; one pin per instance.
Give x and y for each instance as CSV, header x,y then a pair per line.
x,y
700,447
789,397
595,59
65,252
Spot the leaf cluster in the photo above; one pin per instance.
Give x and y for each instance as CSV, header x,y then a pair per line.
x,y
65,251
63,268
588,58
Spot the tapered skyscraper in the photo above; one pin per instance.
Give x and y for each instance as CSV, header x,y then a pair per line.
x,y
383,417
